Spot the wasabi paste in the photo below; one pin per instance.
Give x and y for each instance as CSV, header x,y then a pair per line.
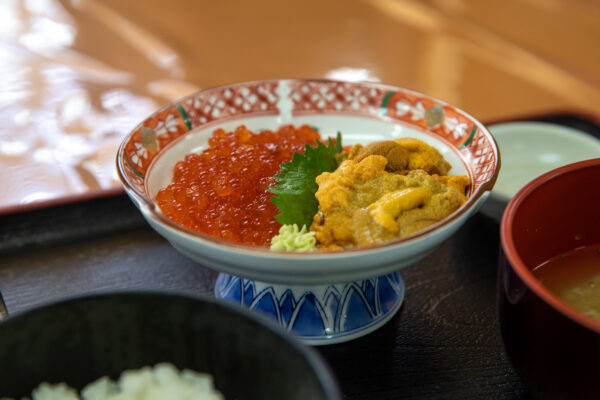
x,y
292,238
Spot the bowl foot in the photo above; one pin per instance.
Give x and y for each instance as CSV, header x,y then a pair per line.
x,y
320,314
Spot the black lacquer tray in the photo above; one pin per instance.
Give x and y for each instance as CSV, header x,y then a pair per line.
x,y
444,343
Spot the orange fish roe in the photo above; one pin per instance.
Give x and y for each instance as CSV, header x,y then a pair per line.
x,y
222,192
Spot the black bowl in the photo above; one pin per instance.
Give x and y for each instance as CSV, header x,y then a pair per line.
x,y
81,339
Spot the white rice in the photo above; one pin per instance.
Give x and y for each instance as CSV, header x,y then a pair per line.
x,y
160,382
59,391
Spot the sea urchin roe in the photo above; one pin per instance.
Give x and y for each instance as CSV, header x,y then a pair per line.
x,y
222,192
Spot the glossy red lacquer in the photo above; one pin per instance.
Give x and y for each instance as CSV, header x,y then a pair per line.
x,y
553,347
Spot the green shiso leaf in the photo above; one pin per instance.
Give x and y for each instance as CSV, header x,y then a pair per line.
x,y
296,187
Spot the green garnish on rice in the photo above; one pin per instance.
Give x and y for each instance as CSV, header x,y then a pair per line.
x,y
292,238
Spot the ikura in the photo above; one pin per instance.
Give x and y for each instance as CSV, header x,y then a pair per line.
x,y
222,192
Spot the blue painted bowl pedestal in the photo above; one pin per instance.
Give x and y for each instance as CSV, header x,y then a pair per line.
x,y
320,314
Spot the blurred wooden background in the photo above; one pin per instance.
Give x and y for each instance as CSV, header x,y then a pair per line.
x,y
77,75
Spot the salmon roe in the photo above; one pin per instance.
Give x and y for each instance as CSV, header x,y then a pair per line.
x,y
222,192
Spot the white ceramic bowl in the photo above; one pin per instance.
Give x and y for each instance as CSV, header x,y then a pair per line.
x,y
363,112
530,149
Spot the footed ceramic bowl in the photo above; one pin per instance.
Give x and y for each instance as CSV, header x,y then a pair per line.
x,y
323,297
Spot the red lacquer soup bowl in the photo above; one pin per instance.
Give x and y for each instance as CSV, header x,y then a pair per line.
x,y
552,346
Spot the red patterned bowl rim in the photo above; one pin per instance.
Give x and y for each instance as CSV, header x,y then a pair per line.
x,y
477,134
519,266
